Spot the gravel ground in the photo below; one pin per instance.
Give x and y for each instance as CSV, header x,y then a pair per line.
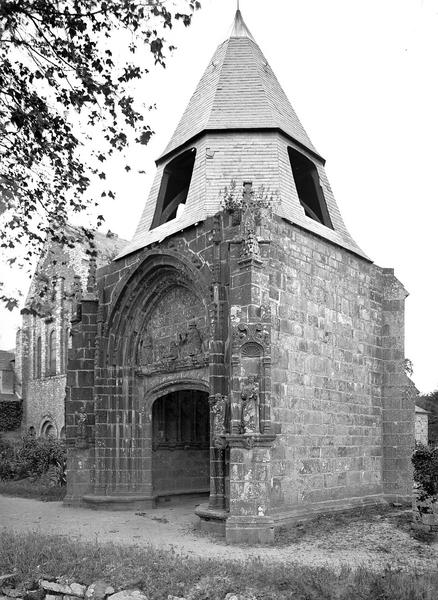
x,y
373,540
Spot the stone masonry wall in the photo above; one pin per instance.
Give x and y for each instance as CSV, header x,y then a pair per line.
x,y
46,402
333,385
327,371
123,406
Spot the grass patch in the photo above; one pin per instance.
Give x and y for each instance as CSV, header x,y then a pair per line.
x,y
31,487
161,572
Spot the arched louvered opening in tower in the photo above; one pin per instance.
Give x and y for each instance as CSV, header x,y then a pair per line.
x,y
309,189
174,188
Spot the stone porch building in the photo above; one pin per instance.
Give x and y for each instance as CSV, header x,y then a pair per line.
x,y
242,345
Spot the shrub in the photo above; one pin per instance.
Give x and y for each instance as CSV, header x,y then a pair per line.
x,y
58,473
7,463
10,415
35,455
425,461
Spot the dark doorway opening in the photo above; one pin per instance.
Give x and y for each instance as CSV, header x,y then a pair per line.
x,y
181,444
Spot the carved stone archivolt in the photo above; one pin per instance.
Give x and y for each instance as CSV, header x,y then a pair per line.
x,y
255,332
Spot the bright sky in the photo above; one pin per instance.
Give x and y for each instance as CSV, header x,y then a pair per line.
x,y
362,76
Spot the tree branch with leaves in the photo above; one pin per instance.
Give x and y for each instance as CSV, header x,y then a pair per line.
x,y
66,105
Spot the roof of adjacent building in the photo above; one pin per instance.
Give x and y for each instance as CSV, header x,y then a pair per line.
x,y
5,360
238,90
68,261
420,410
9,398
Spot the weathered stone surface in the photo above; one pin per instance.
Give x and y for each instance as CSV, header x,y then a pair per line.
x,y
129,595
99,590
72,589
34,594
244,596
12,592
170,597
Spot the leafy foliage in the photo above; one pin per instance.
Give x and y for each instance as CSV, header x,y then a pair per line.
x,y
233,199
58,473
34,457
6,460
64,87
430,403
425,461
10,415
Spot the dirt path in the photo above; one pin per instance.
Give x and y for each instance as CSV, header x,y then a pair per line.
x,y
375,543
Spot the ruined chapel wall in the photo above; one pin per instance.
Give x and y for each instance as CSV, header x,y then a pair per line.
x,y
46,402
326,371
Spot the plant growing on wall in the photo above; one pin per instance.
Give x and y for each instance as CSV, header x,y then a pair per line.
x,y
239,199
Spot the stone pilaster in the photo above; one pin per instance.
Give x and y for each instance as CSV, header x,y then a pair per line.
x,y
79,403
250,476
250,441
398,403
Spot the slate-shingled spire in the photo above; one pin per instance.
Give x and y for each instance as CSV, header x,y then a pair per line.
x,y
238,90
238,126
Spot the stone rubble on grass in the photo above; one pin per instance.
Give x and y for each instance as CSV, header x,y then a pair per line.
x,y
244,596
128,595
58,589
72,589
99,590
12,592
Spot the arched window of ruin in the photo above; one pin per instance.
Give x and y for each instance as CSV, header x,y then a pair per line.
x,y
37,364
308,187
174,188
48,429
52,353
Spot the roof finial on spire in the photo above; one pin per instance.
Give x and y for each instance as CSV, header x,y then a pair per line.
x,y
239,27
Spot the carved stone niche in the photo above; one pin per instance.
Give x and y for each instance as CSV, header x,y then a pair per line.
x,y
251,377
